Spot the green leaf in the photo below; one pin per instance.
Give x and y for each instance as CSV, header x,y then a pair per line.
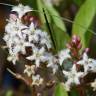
x,y
58,28
56,18
60,90
49,30
83,20
40,6
61,37
78,2
57,35
74,92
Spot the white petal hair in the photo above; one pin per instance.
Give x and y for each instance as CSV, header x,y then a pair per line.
x,y
21,10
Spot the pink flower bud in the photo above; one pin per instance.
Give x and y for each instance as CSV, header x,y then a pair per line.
x,y
13,15
76,40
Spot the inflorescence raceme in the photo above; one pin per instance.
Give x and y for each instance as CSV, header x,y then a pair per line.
x,y
21,33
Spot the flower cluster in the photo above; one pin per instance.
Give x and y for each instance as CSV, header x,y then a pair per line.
x,y
80,65
20,35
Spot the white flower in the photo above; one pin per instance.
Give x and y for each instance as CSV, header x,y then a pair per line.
x,y
52,63
88,64
22,45
21,10
6,37
32,27
63,55
72,76
11,28
28,30
93,84
34,38
13,17
14,28
44,38
84,60
38,56
13,58
19,36
37,80
29,70
92,66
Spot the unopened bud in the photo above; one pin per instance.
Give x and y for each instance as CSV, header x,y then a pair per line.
x,y
76,39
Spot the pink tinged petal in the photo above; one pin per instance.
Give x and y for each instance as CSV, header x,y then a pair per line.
x,y
85,57
13,17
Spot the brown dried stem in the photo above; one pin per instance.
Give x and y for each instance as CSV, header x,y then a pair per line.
x,y
18,76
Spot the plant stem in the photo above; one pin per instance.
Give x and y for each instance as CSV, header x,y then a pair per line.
x,y
34,93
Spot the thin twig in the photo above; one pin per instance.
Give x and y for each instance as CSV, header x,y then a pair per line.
x,y
14,74
7,4
18,76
